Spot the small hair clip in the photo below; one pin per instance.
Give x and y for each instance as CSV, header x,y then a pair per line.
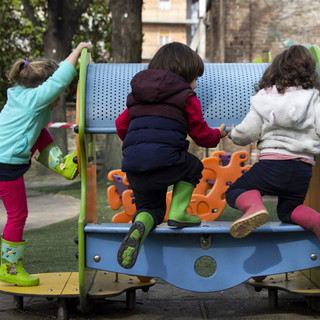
x,y
26,62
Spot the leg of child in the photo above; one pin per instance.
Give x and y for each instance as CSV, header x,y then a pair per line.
x,y
51,156
150,192
44,140
151,208
178,215
292,210
13,195
254,214
244,195
307,218
289,180
188,175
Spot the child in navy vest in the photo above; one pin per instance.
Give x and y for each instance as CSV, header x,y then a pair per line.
x,y
162,110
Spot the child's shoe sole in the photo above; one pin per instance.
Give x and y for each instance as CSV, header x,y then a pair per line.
x,y
177,224
244,226
21,283
129,249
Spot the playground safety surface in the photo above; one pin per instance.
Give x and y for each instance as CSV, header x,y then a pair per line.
x,y
161,301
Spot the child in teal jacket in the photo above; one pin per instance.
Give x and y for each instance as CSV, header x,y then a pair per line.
x,y
38,85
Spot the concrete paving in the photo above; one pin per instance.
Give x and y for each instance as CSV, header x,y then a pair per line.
x,y
162,301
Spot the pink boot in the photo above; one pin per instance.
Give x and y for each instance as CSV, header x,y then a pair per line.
x,y
307,218
255,214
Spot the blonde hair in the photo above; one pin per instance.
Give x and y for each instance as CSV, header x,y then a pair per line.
x,y
32,74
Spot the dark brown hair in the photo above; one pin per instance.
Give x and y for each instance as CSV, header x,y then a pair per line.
x,y
180,59
293,67
32,74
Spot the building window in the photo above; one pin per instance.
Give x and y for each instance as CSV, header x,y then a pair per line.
x,y
164,5
164,37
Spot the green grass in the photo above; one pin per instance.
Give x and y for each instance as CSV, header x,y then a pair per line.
x,y
52,248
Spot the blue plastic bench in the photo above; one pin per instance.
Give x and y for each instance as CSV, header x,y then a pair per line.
x,y
171,254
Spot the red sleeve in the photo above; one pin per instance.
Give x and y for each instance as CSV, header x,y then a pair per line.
x,y
198,128
122,124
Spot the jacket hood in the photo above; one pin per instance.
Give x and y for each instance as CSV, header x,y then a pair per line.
x,y
291,107
154,85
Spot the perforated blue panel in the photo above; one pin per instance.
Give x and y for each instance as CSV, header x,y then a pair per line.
x,y
225,89
107,87
224,92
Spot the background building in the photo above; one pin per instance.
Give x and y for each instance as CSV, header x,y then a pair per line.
x,y
239,30
164,21
229,30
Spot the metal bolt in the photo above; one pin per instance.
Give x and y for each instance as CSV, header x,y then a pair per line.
x,y
205,242
96,258
313,257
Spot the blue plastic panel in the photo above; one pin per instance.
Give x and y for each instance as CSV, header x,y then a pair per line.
x,y
106,94
206,227
224,91
171,254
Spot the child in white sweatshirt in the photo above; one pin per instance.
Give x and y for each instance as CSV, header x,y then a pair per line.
x,y
284,119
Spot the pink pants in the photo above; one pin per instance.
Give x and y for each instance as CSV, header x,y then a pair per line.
x,y
14,198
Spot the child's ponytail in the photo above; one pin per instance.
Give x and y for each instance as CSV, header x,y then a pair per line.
x,y
31,74
16,69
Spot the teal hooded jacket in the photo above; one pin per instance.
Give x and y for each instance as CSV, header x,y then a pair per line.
x,y
27,112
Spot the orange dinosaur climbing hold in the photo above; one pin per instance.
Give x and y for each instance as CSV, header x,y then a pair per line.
x,y
208,198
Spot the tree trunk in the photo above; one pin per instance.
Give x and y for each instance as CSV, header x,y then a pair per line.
x,y
63,20
126,40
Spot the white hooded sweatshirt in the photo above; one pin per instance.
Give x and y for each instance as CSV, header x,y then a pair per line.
x,y
286,123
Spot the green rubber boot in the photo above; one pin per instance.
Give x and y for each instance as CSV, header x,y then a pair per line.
x,y
11,270
178,215
52,158
131,245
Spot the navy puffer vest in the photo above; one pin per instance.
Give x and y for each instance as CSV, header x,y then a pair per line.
x,y
158,121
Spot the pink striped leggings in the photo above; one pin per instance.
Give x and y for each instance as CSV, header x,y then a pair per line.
x,y
14,198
